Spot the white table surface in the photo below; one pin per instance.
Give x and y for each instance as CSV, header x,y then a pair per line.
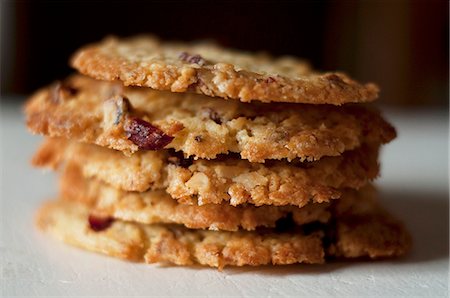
x,y
414,186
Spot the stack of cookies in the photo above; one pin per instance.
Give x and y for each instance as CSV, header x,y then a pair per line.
x,y
196,154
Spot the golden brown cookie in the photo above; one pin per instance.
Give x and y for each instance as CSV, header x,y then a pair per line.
x,y
132,119
71,223
158,207
273,183
363,229
228,180
208,69
142,171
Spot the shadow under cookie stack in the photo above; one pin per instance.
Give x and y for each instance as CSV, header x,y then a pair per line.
x,y
194,154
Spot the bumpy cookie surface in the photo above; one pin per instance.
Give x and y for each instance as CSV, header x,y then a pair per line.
x,y
69,221
228,180
276,183
133,119
214,71
158,207
366,230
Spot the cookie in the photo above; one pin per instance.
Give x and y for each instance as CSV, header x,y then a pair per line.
x,y
364,228
142,171
70,222
158,207
208,69
375,234
228,180
133,119
276,183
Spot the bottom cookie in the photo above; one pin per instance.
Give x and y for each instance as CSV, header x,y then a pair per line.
x,y
70,222
361,228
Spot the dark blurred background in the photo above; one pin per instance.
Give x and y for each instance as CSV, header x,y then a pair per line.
x,y
401,45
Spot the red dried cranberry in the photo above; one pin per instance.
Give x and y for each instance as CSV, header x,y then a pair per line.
x,y
145,135
97,223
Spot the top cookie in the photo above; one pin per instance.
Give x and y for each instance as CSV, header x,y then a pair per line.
x,y
211,70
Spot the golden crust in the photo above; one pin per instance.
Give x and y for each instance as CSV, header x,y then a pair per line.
x,y
140,172
231,181
278,183
214,71
68,221
98,112
363,229
158,207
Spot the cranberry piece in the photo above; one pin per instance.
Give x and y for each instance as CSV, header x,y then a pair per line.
x,y
145,135
97,223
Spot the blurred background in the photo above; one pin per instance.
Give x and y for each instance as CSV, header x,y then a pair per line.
x,y
400,45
